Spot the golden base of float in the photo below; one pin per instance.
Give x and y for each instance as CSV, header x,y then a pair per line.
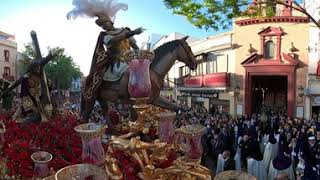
x,y
81,171
146,118
239,175
148,154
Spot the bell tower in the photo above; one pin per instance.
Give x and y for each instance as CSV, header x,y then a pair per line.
x,y
287,9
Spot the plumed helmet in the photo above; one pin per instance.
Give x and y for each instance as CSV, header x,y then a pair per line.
x,y
102,19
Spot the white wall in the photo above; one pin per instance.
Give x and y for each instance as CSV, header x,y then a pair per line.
x,y
211,43
171,37
313,8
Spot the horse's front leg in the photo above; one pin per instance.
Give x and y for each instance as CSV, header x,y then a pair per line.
x,y
105,111
164,103
123,90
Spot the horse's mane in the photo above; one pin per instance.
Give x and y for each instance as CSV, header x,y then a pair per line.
x,y
163,50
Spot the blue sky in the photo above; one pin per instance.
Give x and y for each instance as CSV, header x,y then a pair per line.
x,y
47,17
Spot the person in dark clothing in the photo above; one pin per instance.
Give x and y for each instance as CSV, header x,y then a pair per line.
x,y
212,110
226,139
216,145
245,145
308,154
229,163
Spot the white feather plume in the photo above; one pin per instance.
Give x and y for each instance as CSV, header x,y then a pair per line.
x,y
91,8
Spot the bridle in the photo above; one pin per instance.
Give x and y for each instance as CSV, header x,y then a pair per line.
x,y
186,48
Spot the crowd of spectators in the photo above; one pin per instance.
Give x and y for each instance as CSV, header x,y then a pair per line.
x,y
270,141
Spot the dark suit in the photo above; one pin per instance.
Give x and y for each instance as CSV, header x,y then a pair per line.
x,y
216,148
246,150
229,165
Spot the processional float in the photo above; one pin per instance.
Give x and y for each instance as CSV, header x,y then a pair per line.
x,y
148,155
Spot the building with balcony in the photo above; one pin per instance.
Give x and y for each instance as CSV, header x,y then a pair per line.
x,y
312,91
272,61
210,83
8,55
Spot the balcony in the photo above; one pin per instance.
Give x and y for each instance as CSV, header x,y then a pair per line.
x,y
8,77
211,81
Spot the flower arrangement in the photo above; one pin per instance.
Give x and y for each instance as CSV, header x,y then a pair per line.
x,y
128,165
56,136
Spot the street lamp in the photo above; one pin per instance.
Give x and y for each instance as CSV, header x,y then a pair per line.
x,y
301,92
237,92
236,97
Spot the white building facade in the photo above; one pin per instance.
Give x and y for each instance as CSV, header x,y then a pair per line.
x,y
8,55
312,92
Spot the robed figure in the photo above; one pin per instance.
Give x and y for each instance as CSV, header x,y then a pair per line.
x,y
36,103
282,162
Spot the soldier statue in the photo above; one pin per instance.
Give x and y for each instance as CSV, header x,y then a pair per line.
x,y
108,63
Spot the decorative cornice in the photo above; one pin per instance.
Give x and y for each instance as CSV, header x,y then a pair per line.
x,y
250,59
271,31
278,19
257,60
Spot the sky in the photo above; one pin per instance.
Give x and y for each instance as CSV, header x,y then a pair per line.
x,y
78,37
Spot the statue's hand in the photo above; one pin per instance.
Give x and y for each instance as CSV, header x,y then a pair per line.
x,y
138,30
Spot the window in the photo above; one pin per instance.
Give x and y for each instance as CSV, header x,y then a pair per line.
x,y
6,71
181,71
6,55
269,50
222,63
187,70
199,69
211,64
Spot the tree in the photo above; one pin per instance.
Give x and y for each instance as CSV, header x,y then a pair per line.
x,y
218,14
60,71
27,55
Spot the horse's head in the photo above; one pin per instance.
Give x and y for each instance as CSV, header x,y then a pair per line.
x,y
186,55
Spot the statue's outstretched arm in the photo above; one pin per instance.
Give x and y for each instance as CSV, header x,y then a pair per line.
x,y
125,35
133,44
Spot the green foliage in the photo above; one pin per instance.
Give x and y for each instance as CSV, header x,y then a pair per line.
x,y
218,14
29,52
60,71
271,8
270,11
28,55
215,14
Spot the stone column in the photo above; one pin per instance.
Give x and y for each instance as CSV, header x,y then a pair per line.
x,y
206,103
189,101
262,45
232,106
307,114
278,46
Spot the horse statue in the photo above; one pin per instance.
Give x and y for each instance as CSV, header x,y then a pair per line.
x,y
165,57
